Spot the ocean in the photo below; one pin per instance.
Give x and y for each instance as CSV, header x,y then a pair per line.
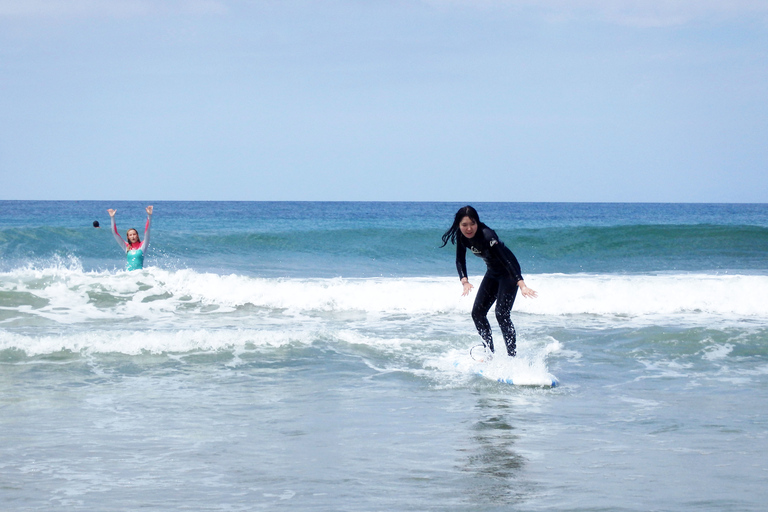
x,y
315,356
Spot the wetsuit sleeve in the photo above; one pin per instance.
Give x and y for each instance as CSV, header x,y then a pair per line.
x,y
117,236
502,254
145,242
461,259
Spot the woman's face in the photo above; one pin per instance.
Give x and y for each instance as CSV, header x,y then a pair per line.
x,y
468,227
133,236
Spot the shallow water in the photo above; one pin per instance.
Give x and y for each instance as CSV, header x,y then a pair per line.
x,y
211,381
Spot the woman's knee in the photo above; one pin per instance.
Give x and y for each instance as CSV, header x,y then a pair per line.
x,y
479,317
479,312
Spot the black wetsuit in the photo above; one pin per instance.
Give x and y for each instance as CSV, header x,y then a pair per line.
x,y
499,283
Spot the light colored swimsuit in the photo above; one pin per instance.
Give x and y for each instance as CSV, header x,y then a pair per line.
x,y
134,254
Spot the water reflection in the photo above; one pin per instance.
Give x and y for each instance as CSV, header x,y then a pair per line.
x,y
491,458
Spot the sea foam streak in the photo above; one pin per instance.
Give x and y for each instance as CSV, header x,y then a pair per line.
x,y
157,342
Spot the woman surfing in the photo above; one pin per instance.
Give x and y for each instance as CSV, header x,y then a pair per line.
x,y
502,278
134,248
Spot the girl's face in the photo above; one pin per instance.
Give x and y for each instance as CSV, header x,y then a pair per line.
x,y
133,236
468,227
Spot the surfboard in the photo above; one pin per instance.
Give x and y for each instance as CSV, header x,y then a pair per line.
x,y
547,381
508,374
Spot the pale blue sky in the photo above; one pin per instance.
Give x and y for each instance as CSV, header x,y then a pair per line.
x,y
486,100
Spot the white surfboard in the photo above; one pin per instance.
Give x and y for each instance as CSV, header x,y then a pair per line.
x,y
516,372
547,381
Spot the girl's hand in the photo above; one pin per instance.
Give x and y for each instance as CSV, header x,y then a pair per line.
x,y
467,288
149,210
527,292
111,212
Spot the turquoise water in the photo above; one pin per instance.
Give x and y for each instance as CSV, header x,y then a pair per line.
x,y
306,356
391,239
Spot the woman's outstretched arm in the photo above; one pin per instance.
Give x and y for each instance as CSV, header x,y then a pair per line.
x,y
117,236
145,242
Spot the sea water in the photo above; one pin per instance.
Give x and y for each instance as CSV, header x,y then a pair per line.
x,y
315,356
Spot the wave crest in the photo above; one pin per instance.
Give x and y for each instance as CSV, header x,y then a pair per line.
x,y
66,294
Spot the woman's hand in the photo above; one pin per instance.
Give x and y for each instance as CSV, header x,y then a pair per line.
x,y
467,287
111,212
527,292
149,210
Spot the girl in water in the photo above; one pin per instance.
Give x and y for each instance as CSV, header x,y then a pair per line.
x,y
501,280
134,248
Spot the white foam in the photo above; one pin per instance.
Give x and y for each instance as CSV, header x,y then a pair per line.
x,y
188,310
528,368
717,352
658,295
155,342
153,292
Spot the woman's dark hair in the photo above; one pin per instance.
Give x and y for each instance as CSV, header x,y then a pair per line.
x,y
453,231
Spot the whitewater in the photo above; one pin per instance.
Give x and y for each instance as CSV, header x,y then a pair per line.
x,y
68,299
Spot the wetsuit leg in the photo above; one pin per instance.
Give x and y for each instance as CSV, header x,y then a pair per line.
x,y
486,295
504,302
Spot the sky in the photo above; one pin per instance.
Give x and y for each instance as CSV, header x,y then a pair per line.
x,y
402,100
